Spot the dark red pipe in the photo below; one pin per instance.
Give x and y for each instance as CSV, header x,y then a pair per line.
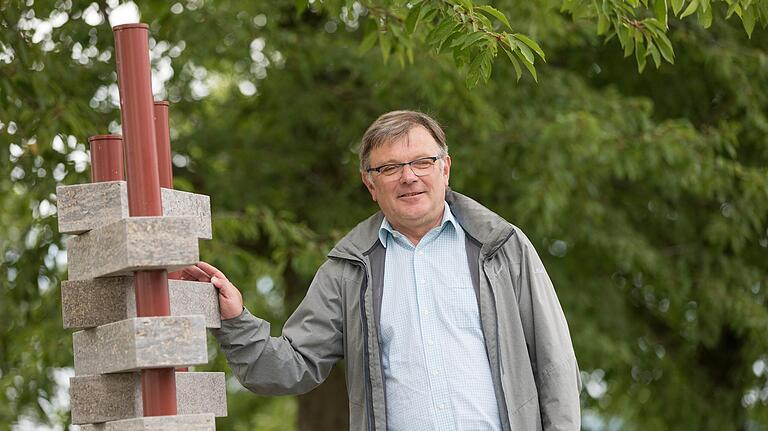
x,y
134,80
106,158
164,168
163,141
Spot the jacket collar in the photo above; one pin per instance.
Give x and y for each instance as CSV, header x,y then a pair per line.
x,y
483,225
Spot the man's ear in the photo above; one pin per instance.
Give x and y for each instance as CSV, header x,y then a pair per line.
x,y
368,184
446,168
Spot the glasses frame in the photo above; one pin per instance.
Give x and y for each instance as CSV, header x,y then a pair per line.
x,y
401,166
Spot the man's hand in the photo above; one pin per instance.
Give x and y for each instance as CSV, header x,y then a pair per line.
x,y
230,299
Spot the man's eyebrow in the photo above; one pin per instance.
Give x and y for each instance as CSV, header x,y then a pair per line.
x,y
397,162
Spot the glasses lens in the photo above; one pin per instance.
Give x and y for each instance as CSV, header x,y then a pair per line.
x,y
389,170
422,166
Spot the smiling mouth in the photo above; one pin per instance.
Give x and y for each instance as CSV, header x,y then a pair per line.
x,y
408,195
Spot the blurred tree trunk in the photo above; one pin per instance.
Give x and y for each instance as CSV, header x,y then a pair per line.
x,y
325,408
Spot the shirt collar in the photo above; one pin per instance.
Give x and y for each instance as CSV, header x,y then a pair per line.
x,y
386,229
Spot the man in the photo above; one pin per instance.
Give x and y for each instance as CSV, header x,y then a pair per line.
x,y
442,309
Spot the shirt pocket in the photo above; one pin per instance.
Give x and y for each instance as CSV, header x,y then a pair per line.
x,y
462,307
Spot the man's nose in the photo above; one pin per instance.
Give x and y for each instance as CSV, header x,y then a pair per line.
x,y
408,175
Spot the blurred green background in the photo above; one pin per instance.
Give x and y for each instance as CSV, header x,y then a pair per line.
x,y
646,194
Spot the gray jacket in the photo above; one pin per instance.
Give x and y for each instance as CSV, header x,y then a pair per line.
x,y
533,366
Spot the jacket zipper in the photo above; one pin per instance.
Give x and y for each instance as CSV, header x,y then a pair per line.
x,y
498,349
368,386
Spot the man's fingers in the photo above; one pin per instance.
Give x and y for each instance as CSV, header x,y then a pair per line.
x,y
194,273
210,270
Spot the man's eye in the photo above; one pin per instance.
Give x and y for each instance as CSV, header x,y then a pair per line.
x,y
422,164
389,169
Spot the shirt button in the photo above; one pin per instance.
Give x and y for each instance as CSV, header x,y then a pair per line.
x,y
435,372
426,312
442,406
431,343
421,253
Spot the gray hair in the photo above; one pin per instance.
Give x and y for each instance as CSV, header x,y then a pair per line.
x,y
393,126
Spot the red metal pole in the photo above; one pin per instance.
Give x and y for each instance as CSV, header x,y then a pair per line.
x,y
163,141
106,158
164,168
158,386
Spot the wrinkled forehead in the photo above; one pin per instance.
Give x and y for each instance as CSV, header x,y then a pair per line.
x,y
417,139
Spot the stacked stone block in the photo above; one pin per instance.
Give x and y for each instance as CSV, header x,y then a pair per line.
x,y
112,345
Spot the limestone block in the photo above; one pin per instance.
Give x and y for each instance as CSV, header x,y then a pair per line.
x,y
158,423
98,301
141,342
106,397
200,392
111,397
135,243
184,204
84,207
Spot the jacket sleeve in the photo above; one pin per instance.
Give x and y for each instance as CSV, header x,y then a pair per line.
x,y
302,357
549,344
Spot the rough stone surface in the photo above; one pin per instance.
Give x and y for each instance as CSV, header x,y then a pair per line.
x,y
98,301
205,422
142,342
105,398
185,204
132,244
93,302
111,397
83,207
195,298
201,393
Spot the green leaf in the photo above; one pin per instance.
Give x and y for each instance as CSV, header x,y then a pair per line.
x,y
665,46
474,73
434,36
466,3
442,31
603,24
385,42
692,6
529,66
514,62
654,54
301,6
469,39
368,41
412,20
660,8
531,44
630,44
748,19
640,55
677,5
496,14
705,17
523,48
449,41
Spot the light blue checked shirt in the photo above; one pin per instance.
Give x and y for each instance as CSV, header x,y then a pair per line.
x,y
436,370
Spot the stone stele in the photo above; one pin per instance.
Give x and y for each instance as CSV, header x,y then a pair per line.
x,y
136,243
98,301
84,207
158,423
111,397
140,342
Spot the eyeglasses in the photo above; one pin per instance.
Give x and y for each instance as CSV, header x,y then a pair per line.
x,y
420,167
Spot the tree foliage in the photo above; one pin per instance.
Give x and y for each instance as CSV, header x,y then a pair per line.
x,y
646,194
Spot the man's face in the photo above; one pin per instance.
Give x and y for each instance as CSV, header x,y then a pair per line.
x,y
410,202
